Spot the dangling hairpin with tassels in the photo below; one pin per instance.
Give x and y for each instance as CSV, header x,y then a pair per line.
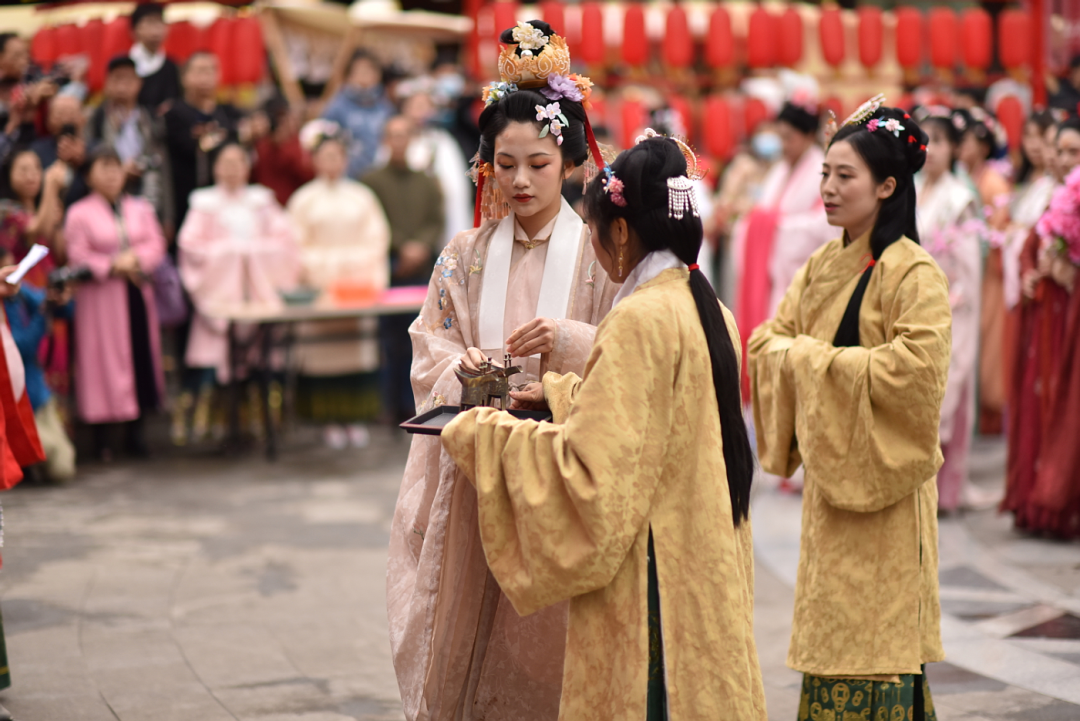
x,y
682,199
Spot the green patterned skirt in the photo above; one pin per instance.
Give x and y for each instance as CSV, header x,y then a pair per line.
x,y
830,699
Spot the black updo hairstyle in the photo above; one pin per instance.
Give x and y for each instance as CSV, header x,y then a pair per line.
x,y
644,171
799,118
520,106
1044,120
887,156
938,116
982,125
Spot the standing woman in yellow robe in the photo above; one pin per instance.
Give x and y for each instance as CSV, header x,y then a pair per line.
x,y
848,381
633,503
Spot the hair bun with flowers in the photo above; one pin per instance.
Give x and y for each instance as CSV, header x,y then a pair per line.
x,y
318,131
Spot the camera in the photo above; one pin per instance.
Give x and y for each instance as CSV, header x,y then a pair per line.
x,y
61,277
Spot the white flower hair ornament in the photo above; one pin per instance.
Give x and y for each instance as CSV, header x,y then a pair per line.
x,y
529,38
556,121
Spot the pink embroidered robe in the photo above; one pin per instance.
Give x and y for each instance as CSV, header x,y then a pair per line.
x,y
459,647
235,248
104,370
951,228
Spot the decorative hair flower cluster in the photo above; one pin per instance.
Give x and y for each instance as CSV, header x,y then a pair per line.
x,y
614,187
892,125
529,38
557,121
494,93
1061,222
571,87
315,132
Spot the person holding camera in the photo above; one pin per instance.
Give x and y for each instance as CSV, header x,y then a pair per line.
x,y
136,135
118,374
65,143
30,313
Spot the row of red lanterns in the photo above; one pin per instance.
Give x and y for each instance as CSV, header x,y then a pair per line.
x,y
237,42
777,39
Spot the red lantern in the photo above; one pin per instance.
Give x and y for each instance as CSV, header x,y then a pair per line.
x,y
976,36
720,49
633,120
755,112
678,44
1014,39
44,49
248,51
68,41
831,32
790,34
1010,113
117,38
505,17
92,40
719,138
592,34
553,15
219,40
909,37
761,39
635,42
943,34
183,39
871,35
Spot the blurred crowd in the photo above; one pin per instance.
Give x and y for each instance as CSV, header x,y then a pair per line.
x,y
1004,225
161,203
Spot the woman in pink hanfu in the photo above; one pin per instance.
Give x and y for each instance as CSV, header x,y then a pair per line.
x,y
785,227
951,228
527,284
236,247
118,374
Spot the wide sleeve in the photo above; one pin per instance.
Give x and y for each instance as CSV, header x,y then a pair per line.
x,y
561,505
436,333
772,389
867,418
205,260
80,245
573,344
965,289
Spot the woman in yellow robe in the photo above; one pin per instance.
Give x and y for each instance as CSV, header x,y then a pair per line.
x,y
647,451
848,381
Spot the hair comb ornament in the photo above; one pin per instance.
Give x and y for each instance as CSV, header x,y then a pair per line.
x,y
694,171
865,111
530,62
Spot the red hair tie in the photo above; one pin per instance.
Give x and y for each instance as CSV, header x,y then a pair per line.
x,y
693,267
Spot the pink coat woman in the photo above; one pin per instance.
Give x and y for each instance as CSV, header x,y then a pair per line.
x,y
105,374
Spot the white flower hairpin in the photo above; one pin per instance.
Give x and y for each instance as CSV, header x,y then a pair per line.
x,y
556,120
529,38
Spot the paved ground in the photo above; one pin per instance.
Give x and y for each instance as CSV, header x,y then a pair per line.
x,y
202,587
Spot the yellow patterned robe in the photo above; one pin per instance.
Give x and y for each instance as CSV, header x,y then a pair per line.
x,y
863,422
565,511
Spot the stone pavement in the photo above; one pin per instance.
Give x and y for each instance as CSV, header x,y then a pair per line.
x,y
197,586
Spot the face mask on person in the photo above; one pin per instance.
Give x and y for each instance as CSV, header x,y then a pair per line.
x,y
449,87
767,146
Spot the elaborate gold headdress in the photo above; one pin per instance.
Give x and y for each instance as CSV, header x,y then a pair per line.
x,y
534,60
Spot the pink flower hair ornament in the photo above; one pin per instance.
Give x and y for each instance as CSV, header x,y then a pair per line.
x,y
614,187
